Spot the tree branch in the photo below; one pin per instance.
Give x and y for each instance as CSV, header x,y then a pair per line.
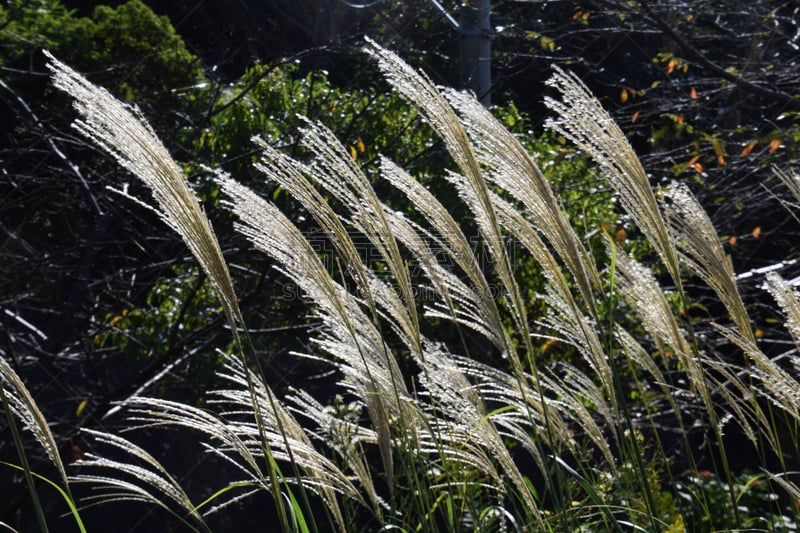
x,y
692,53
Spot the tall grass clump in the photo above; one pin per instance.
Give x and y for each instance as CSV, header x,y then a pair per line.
x,y
609,411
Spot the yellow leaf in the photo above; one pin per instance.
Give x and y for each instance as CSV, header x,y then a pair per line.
x,y
623,96
758,333
360,145
81,407
757,232
353,153
719,150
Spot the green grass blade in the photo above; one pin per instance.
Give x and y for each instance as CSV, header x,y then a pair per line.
x,y
71,504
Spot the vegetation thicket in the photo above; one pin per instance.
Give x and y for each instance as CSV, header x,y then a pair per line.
x,y
410,312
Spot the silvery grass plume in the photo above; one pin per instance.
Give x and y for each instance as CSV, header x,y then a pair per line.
x,y
791,180
445,398
24,407
584,121
125,134
701,250
121,131
337,173
512,168
232,436
638,286
789,301
452,244
349,336
274,234
147,482
288,438
416,88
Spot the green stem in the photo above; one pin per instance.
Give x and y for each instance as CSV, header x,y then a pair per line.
x,y
23,458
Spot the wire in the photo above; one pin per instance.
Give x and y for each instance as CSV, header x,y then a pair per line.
x,y
361,6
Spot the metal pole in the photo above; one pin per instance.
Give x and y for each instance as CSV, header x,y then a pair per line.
x,y
475,49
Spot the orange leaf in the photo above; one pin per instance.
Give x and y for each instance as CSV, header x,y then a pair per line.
x,y
749,148
546,346
732,241
560,156
693,94
774,144
77,452
635,117
757,232
621,235
623,96
680,120
670,66
698,168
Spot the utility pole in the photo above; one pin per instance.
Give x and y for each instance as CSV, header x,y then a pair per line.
x,y
475,46
475,49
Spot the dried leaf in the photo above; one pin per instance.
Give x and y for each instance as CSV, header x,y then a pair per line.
x,y
749,148
547,345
